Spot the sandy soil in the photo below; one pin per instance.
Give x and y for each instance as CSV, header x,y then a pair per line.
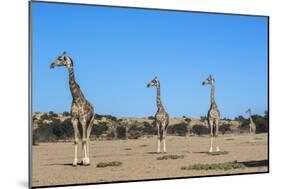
x,y
52,161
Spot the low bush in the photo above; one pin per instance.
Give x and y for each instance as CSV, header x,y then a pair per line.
x,y
165,157
109,164
215,166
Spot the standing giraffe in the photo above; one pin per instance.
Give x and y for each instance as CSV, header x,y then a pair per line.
x,y
252,123
213,113
81,111
161,117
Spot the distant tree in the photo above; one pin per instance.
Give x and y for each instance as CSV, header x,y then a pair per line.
x,y
239,118
66,114
203,118
151,117
98,116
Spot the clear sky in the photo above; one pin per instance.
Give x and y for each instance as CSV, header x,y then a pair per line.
x,y
117,51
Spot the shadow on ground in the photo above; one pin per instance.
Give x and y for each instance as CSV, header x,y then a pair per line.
x,y
259,163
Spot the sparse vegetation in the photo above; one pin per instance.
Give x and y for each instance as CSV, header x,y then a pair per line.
x,y
224,128
200,129
127,148
179,129
121,132
143,145
51,127
166,157
217,153
109,164
229,139
215,166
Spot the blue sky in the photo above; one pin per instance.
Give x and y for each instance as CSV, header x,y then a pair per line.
x,y
117,51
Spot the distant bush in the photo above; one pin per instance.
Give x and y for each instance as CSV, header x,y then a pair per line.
x,y
121,132
151,117
200,130
178,129
261,123
66,114
149,129
99,129
35,137
44,116
135,132
187,120
203,118
224,128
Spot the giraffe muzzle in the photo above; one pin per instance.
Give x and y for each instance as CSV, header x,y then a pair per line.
x,y
53,65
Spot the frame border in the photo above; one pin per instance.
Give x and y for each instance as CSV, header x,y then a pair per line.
x,y
30,137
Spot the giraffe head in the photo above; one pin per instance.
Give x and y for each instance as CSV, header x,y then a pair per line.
x,y
62,60
209,81
154,82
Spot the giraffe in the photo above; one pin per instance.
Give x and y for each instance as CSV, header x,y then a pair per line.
x,y
252,123
213,113
161,117
81,111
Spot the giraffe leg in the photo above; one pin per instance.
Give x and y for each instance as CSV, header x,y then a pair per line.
x,y
76,140
158,138
89,129
164,140
217,134
211,124
84,143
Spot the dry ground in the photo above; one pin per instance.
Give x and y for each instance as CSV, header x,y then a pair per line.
x,y
52,161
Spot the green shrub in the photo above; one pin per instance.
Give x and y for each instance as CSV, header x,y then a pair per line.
x,y
165,157
109,164
99,128
224,128
121,132
149,129
215,166
178,129
151,117
200,129
135,131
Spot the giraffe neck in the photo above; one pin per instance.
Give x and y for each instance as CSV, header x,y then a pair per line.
x,y
250,117
213,94
74,87
158,99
